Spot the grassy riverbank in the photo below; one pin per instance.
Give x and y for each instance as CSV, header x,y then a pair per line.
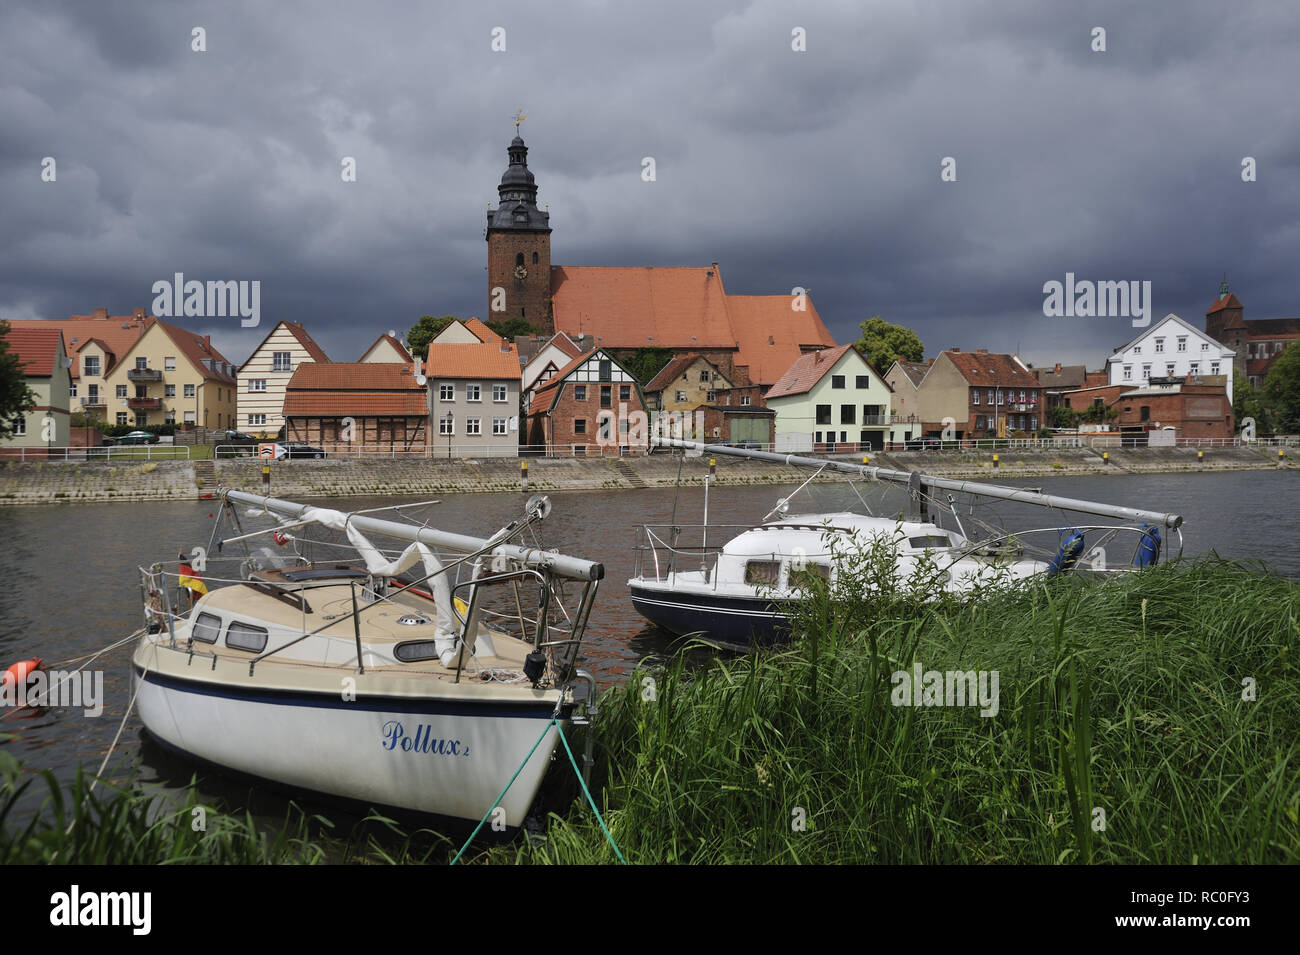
x,y
1121,735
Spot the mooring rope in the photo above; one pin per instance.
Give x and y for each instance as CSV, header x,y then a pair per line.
x,y
581,782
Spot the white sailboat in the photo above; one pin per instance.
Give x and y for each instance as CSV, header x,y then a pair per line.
x,y
738,593
335,677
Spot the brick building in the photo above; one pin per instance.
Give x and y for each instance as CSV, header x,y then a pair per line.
x,y
1256,342
1194,409
592,405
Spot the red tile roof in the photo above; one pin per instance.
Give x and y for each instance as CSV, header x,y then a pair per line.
x,y
479,328
195,348
1272,327
36,349
1230,301
397,345
336,389
675,369
641,307
80,329
806,371
915,370
297,331
772,335
486,360
983,368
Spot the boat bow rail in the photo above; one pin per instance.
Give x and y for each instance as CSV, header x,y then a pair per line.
x,y
977,488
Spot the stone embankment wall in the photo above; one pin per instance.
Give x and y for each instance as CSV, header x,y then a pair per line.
x,y
58,482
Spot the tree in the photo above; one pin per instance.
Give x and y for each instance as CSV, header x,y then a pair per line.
x,y
644,363
424,331
510,327
1248,402
15,397
1064,417
1282,390
881,343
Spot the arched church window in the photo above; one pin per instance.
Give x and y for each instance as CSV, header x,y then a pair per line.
x,y
534,258
519,259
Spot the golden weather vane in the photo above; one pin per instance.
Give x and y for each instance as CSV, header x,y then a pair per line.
x,y
519,117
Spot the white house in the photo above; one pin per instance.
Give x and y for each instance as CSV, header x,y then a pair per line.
x,y
830,400
1170,348
264,378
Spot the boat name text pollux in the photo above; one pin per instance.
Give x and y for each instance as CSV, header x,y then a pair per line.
x,y
396,737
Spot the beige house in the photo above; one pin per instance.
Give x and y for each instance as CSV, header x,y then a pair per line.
x,y
264,377
172,376
386,350
94,343
685,383
46,369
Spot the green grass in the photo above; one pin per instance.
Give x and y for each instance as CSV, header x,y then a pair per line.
x,y
1125,698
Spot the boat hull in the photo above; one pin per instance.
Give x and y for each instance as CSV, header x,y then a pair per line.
x,y
432,755
736,622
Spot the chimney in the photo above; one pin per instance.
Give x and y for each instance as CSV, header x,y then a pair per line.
x,y
771,339
954,349
207,343
101,314
140,314
979,351
1058,367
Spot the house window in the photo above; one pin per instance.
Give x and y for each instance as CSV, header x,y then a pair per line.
x,y
863,381
605,365
19,426
817,437
189,418
1214,368
1128,372
169,363
580,393
848,414
606,396
744,399
498,425
837,381
680,395
447,425
446,392
1194,368
1145,412
991,401
1033,423
579,425
704,376
979,422
823,414
1146,372
1182,343
123,418
1160,345
121,391
142,364
499,393
1205,346
169,391
257,384
535,258
1169,369
473,425
72,390
280,361
256,419
974,396
625,393
169,417
710,396
90,365
473,392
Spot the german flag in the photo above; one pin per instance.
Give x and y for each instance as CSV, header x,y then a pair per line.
x,y
188,578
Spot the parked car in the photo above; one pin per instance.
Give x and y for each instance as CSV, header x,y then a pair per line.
x,y
923,444
135,437
240,437
296,450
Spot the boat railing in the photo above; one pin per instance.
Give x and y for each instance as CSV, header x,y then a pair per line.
x,y
661,545
1103,548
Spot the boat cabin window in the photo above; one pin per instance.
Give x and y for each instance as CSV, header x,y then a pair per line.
x,y
206,628
808,574
245,636
763,572
414,650
930,540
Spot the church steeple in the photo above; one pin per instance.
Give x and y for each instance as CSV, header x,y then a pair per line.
x,y
517,209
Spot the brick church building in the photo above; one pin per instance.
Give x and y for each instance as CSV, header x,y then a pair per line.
x,y
753,339
1257,341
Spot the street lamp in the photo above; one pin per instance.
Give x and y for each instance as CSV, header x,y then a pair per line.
x,y
450,421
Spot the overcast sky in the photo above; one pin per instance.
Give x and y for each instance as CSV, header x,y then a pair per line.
x,y
818,168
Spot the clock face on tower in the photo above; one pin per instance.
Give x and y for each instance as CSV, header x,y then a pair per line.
x,y
521,272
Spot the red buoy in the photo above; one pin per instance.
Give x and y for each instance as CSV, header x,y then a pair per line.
x,y
22,670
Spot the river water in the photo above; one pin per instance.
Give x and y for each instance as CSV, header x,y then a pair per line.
x,y
71,583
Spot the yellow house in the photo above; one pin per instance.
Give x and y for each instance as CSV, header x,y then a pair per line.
x,y
171,375
45,366
264,377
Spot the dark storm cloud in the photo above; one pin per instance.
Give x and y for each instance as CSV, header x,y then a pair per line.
x,y
818,169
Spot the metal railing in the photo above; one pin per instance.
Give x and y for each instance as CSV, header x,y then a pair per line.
x,y
125,452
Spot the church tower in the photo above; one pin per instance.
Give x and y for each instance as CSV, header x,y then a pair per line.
x,y
519,248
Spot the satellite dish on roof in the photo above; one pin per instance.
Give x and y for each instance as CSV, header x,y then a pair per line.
x,y
420,380
392,333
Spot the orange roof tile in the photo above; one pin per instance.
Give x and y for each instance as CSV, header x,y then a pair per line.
x,y
547,394
677,367
80,329
36,349
397,345
642,307
771,334
297,331
486,360
983,368
806,371
354,388
195,348
480,329
1228,301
